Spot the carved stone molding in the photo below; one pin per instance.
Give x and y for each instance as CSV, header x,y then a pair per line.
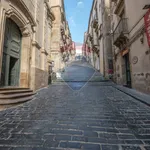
x,y
25,32
16,17
44,51
15,13
35,43
25,9
50,13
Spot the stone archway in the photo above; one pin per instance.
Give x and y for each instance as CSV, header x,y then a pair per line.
x,y
26,30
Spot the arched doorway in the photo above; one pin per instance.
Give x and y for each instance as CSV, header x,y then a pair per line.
x,y
11,55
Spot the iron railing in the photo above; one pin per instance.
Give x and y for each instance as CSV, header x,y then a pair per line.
x,y
122,27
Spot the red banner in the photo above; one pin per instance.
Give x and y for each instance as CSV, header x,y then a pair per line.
x,y
84,47
62,49
147,25
89,49
73,45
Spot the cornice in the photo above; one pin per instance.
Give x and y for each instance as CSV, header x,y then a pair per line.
x,y
44,51
25,9
51,14
36,44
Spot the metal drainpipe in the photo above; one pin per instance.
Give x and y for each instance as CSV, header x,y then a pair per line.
x,y
103,47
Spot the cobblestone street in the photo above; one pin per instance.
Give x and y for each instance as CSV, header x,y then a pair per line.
x,y
96,117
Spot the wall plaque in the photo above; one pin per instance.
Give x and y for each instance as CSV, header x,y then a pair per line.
x,y
135,60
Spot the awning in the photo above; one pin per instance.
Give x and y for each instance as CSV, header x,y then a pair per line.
x,y
124,52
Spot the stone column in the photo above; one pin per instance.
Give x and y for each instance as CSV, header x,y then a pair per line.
x,y
25,59
2,33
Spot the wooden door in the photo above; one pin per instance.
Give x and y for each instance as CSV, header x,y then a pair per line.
x,y
11,55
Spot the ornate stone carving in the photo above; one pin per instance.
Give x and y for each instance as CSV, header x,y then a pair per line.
x,y
44,51
25,32
34,43
16,17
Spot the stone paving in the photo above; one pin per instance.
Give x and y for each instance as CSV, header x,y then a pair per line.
x,y
96,117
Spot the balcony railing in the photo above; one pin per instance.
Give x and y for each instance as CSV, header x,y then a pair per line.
x,y
122,28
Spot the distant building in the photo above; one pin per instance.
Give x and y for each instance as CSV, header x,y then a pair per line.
x,y
97,39
78,49
61,41
72,52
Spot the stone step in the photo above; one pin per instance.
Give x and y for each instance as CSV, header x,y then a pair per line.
x,y
15,91
19,100
13,96
12,88
18,95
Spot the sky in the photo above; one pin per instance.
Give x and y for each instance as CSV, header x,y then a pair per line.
x,y
77,13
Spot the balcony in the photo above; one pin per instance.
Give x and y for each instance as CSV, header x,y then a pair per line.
x,y
120,34
62,30
90,37
96,50
95,23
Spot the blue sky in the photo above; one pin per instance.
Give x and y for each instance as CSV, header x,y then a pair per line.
x,y
77,13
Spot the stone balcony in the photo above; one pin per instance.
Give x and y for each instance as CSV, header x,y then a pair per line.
x,y
120,34
90,37
62,30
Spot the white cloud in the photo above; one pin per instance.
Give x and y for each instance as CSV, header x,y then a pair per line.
x,y
72,22
80,4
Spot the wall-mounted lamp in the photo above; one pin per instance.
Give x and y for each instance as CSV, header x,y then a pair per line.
x,y
142,40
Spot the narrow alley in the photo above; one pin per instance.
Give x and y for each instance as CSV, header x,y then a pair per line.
x,y
87,115
74,74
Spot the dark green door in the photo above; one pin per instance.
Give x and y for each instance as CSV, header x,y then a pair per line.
x,y
128,72
11,55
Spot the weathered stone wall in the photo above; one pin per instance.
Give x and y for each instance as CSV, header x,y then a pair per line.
x,y
140,64
40,78
57,41
34,19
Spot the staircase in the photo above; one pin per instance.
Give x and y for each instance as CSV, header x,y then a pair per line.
x,y
12,96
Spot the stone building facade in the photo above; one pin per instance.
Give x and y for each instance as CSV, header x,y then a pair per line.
x,y
61,42
25,35
97,39
130,47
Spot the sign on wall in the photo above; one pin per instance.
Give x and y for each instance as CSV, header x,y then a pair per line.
x,y
135,60
147,25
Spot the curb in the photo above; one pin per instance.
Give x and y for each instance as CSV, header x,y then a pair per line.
x,y
131,95
81,81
